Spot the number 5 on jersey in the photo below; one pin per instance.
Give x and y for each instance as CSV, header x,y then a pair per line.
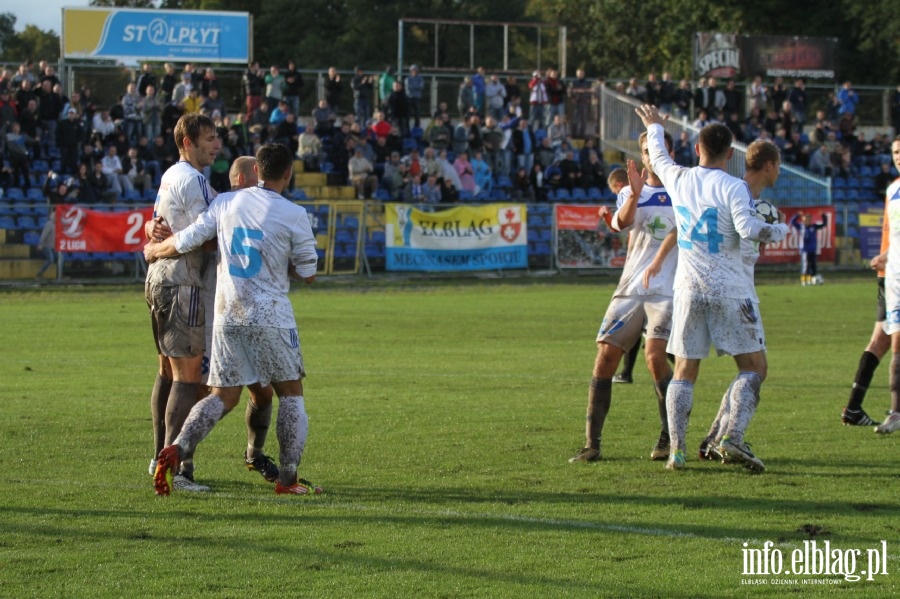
x,y
240,246
706,230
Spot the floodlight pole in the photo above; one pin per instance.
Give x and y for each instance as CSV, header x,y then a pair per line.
x,y
399,48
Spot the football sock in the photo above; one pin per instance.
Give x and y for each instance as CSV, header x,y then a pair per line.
x,y
182,398
200,421
679,401
864,373
717,430
258,420
629,360
599,398
744,399
661,388
159,397
292,427
895,383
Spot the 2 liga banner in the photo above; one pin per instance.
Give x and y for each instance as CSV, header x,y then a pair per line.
x,y
81,230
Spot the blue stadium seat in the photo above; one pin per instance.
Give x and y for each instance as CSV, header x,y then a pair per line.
x,y
838,194
374,250
417,132
40,165
7,222
563,194
542,249
465,195
15,194
31,238
377,237
150,194
345,236
131,195
838,182
351,222
382,194
26,222
34,194
594,193
579,194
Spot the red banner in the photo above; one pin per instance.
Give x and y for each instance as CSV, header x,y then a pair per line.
x,y
584,241
788,251
81,230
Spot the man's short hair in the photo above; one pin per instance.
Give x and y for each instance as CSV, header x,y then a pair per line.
x,y
617,176
242,165
759,153
273,161
192,126
670,143
715,139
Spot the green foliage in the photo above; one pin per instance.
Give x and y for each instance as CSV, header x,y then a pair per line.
x,y
441,417
31,44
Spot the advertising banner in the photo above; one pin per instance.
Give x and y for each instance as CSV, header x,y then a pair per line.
x,y
727,56
81,230
788,251
871,220
489,237
584,240
156,35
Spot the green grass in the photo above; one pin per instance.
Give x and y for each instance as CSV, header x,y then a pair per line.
x,y
441,419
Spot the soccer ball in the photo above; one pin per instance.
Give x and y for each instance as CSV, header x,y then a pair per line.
x,y
818,280
766,212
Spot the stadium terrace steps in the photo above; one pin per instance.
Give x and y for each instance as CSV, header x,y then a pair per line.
x,y
24,268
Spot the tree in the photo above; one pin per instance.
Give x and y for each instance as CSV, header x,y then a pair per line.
x,y
7,29
31,44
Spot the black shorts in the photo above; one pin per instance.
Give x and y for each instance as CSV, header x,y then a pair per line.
x,y
882,308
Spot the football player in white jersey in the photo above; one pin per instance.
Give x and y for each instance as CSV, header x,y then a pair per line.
x,y
646,210
174,290
715,301
258,415
762,167
892,293
262,238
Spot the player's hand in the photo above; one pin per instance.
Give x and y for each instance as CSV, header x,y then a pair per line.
x,y
603,212
650,114
878,262
651,271
150,252
635,179
157,229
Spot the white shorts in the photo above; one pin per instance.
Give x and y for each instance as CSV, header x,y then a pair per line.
x,y
626,317
247,355
892,306
734,327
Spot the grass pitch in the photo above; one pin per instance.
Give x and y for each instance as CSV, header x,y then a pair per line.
x,y
441,419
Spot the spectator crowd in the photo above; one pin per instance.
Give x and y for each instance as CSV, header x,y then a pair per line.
x,y
524,138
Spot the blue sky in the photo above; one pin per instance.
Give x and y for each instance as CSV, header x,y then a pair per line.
x,y
44,14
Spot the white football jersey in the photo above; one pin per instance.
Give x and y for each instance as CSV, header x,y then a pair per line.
x,y
184,194
892,213
653,219
714,212
260,236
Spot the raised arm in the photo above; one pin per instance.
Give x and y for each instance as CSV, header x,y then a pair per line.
x,y
661,254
